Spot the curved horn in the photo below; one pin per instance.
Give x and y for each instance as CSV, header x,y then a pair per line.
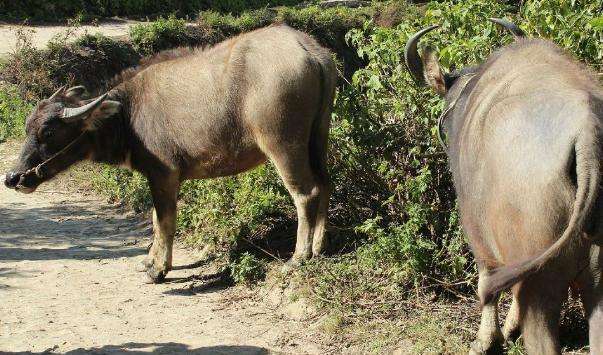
x,y
75,90
71,114
510,26
57,93
412,57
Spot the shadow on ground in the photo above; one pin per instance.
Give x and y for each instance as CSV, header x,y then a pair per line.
x,y
159,348
69,230
199,284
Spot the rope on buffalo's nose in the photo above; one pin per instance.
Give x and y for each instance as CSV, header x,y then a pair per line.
x,y
38,169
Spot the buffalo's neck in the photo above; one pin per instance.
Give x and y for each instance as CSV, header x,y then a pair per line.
x,y
111,141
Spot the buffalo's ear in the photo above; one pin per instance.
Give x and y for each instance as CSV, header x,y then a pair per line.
x,y
104,111
434,76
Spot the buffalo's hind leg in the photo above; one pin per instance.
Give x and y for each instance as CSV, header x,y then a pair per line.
x,y
511,330
489,337
318,241
310,198
591,283
321,176
539,299
594,313
158,262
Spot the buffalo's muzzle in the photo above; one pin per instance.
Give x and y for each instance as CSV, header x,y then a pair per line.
x,y
12,179
22,182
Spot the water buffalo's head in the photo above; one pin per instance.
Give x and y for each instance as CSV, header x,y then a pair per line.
x,y
56,136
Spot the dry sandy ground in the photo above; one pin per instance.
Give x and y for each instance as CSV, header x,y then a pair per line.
x,y
41,34
68,285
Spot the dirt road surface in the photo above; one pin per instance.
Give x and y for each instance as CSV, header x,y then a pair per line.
x,y
68,285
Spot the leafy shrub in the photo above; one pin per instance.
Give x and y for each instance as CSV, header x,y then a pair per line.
x,y
91,61
247,269
124,186
159,35
224,26
221,212
13,112
573,25
86,9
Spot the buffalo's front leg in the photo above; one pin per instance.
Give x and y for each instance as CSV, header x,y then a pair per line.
x,y
159,260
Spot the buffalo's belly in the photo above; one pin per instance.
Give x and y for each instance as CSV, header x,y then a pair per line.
x,y
211,164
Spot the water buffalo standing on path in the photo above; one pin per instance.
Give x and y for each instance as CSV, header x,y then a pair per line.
x,y
200,113
524,132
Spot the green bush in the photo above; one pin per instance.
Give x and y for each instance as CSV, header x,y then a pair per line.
x,y
223,26
222,211
159,35
87,9
574,25
247,269
92,60
13,112
124,186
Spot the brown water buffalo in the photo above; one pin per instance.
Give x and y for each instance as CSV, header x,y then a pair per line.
x,y
524,131
200,113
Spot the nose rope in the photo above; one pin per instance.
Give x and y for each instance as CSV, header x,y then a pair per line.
x,y
37,170
444,114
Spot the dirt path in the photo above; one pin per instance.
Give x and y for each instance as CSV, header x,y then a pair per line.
x,y
41,34
68,285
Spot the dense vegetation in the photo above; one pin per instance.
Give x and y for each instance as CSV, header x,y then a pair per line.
x,y
60,10
393,223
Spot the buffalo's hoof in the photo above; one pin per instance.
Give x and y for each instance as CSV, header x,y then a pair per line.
x,y
155,276
477,348
291,265
511,335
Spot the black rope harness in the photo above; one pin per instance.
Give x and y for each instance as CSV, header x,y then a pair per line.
x,y
38,169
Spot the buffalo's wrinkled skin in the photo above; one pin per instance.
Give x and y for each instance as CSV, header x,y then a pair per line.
x,y
524,132
200,113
